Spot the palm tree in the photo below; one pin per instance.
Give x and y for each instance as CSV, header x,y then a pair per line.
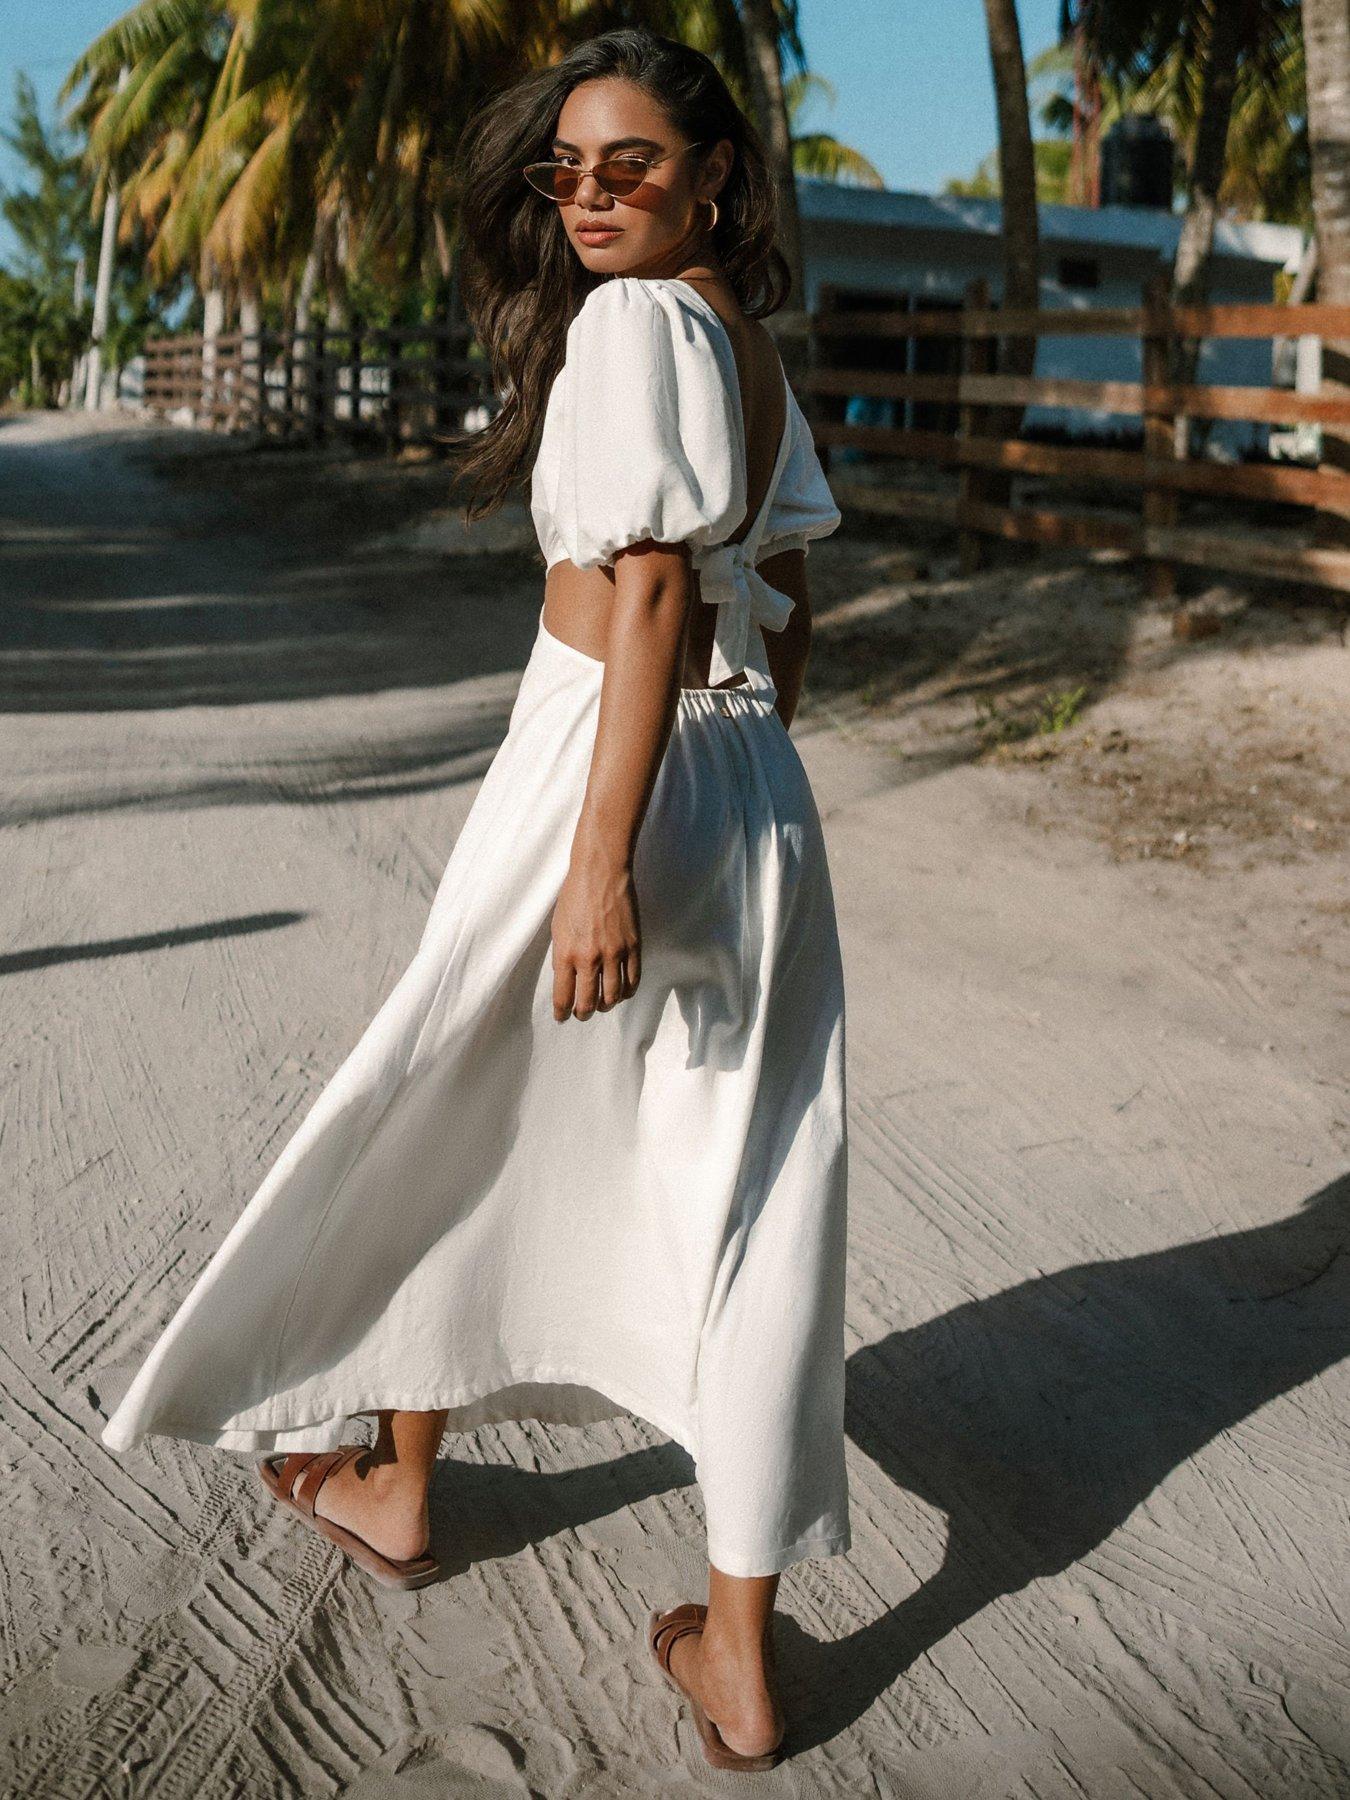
x,y
1207,45
275,147
41,324
142,132
1016,158
1206,62
1326,28
1017,186
1265,173
1219,72
765,36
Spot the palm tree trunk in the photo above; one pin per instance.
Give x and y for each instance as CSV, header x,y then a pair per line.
x,y
75,385
1017,183
444,252
103,285
765,68
93,392
1190,268
213,320
250,360
1326,39
309,278
336,265
302,348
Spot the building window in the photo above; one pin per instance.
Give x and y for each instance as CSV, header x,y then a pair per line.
x,y
1079,272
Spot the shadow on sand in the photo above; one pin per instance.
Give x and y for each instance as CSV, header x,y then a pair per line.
x,y
1037,1420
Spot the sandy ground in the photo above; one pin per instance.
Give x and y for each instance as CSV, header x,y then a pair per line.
x,y
1098,1323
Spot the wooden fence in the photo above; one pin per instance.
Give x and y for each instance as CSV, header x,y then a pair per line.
x,y
402,383
418,383
959,410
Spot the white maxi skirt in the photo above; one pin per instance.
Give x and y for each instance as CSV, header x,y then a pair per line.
x,y
643,1212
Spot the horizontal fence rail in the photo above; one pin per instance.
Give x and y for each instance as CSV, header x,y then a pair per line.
x,y
982,320
956,426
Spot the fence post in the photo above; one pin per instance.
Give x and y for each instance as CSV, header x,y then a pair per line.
x,y
393,414
213,315
1159,504
287,370
227,373
317,377
977,358
443,383
251,374
354,350
818,353
256,350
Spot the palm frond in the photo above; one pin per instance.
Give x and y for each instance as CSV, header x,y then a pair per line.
x,y
817,153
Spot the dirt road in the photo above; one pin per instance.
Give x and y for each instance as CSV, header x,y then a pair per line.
x,y
1100,1223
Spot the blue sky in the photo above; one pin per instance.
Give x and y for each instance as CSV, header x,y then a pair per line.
x,y
911,77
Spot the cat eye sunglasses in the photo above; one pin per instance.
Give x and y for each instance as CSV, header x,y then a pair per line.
x,y
617,175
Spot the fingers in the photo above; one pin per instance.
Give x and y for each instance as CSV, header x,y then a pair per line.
x,y
582,988
613,986
588,990
564,989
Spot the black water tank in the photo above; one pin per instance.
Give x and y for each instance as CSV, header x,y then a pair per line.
x,y
1137,159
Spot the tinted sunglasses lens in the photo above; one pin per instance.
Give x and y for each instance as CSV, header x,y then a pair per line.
x,y
554,180
619,177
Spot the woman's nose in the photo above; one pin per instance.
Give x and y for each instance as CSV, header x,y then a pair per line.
x,y
599,200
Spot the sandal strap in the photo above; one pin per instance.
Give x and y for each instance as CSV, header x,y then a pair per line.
x,y
679,1622
318,1471
291,1466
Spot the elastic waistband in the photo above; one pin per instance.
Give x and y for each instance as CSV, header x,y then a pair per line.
x,y
724,702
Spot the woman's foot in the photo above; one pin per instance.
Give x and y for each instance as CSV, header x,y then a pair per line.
x,y
733,1685
381,1502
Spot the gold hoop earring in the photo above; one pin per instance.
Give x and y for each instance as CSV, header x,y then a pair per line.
x,y
713,204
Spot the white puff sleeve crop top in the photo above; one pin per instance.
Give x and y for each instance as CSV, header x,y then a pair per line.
x,y
643,437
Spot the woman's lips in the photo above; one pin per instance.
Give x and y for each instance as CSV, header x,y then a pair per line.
x,y
598,234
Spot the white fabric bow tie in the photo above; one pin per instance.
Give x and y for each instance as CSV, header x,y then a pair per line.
x,y
729,580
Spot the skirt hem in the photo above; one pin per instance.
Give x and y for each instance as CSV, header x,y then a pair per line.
x,y
326,1430
260,1437
831,1544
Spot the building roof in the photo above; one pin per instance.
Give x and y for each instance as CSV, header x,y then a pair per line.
x,y
1119,227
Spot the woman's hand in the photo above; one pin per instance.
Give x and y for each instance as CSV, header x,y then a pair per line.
x,y
596,935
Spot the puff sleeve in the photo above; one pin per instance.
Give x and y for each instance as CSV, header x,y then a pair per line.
x,y
647,438
803,506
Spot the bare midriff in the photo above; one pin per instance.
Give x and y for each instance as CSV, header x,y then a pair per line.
x,y
577,607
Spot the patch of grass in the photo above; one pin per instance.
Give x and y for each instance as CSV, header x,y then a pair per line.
x,y
1058,711
1009,724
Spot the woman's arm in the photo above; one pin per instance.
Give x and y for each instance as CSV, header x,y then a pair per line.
x,y
789,648
596,931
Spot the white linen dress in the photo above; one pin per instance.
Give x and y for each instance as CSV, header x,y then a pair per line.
x,y
493,1212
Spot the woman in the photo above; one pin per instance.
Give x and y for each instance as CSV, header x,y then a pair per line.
x,y
590,1154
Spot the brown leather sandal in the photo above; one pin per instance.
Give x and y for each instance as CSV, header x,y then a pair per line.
x,y
279,1476
664,1631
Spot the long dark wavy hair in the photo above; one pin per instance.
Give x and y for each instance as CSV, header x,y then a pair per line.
x,y
523,283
